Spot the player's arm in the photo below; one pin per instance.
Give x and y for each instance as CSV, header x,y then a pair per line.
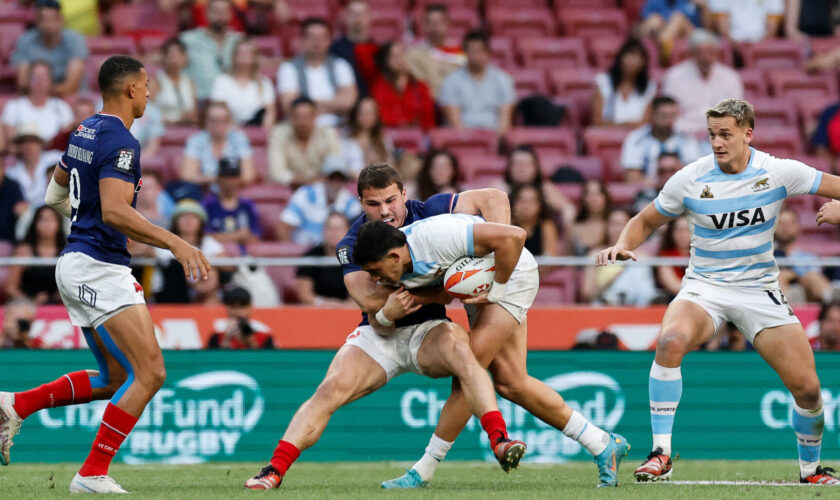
x,y
116,196
504,241
637,230
491,204
374,299
58,192
830,188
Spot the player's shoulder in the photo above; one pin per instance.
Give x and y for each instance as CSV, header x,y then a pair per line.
x,y
694,171
772,163
350,237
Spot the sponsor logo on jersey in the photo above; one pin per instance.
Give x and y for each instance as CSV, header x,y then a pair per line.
x,y
707,193
87,295
740,218
344,256
125,160
85,133
761,185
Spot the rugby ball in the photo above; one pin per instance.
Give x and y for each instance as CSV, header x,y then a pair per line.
x,y
469,276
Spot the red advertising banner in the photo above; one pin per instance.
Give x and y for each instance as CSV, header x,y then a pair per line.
x,y
294,327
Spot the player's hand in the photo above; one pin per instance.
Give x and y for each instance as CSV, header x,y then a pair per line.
x,y
612,254
400,304
478,299
830,213
194,262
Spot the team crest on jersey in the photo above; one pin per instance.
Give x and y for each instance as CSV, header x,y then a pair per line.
x,y
707,193
343,255
125,160
761,185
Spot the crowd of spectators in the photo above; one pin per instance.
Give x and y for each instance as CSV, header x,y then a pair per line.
x,y
262,113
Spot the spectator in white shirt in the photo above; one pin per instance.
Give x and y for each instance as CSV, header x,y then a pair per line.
x,y
625,91
249,95
30,170
699,82
37,110
748,20
643,146
318,75
175,90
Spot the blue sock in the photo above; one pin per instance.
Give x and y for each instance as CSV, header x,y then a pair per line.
x,y
808,425
665,389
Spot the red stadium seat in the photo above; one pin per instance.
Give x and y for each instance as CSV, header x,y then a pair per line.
x,y
493,4
775,112
158,164
257,136
275,249
585,3
577,84
521,22
377,5
388,24
755,83
827,44
590,167
110,45
475,167
783,142
602,52
622,194
268,46
10,12
528,81
797,84
550,53
407,139
92,65
593,22
450,4
773,54
501,51
177,136
269,214
810,108
9,33
464,141
261,162
142,19
571,191
545,140
681,51
267,193
820,163
232,249
605,143
559,286
150,46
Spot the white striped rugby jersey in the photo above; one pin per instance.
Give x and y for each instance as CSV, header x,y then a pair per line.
x,y
733,217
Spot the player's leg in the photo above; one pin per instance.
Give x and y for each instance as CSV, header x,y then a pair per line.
x,y
352,374
445,351
129,337
69,389
685,327
787,351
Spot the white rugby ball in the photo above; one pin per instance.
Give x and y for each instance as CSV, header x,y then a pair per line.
x,y
469,276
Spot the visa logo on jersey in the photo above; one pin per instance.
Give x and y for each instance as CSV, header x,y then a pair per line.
x,y
749,217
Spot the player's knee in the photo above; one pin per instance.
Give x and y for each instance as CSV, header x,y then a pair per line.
x,y
672,343
333,391
152,376
807,392
462,355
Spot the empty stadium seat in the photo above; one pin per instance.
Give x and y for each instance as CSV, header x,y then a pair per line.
x,y
177,136
622,194
92,65
267,193
592,22
232,249
773,54
257,136
783,142
810,108
820,163
482,167
269,214
775,111
388,24
521,22
110,45
501,51
9,34
450,4
755,83
464,141
550,53
261,162
528,81
590,167
158,164
577,84
492,4
141,20
797,84
545,140
571,191
558,286
407,139
605,143
275,249
268,46
820,44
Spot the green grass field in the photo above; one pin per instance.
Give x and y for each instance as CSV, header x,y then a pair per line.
x,y
454,480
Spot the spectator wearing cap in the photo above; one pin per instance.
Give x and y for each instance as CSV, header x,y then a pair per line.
x,y
36,109
30,169
298,147
302,221
12,205
828,338
315,73
230,218
356,46
699,82
433,58
219,139
63,49
478,95
643,147
239,331
210,48
174,90
324,286
170,286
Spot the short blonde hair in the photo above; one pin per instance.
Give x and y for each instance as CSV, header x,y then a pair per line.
x,y
741,110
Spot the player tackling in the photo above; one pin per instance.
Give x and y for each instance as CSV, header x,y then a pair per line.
x,y
732,199
96,186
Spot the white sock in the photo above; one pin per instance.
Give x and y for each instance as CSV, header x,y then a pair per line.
x,y
586,433
435,453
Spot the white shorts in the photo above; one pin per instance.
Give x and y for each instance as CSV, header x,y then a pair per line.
x,y
750,309
396,354
94,291
520,292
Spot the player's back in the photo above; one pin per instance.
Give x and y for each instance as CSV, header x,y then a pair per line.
x,y
100,147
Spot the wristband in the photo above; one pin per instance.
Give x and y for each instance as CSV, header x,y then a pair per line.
x,y
497,292
382,319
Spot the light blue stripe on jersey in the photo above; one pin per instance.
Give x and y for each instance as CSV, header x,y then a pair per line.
x,y
709,207
665,391
816,185
419,267
470,240
732,232
717,175
758,265
733,254
662,210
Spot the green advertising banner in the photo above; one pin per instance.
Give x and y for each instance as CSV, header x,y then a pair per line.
x,y
225,406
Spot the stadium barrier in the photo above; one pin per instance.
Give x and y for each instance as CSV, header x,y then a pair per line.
x,y
234,406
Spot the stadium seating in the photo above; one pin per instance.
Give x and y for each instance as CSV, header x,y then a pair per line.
x,y
755,83
461,20
549,53
772,54
528,82
269,214
559,141
590,167
783,142
388,24
681,51
577,84
775,111
464,141
796,84
605,143
411,140
521,22
481,168
134,20
593,22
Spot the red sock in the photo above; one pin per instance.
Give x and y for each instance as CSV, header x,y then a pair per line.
x,y
494,426
70,389
284,456
116,424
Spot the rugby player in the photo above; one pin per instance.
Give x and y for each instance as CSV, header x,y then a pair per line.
x,y
732,199
96,186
